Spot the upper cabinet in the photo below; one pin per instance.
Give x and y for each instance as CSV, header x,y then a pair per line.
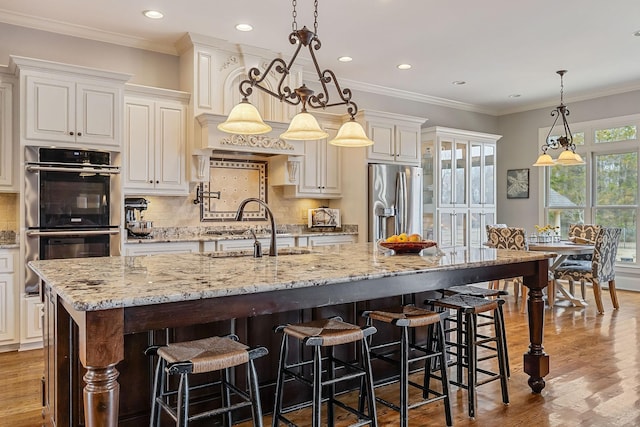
x,y
396,138
7,152
69,105
155,141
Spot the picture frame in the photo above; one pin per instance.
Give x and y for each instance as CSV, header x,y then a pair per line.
x,y
518,184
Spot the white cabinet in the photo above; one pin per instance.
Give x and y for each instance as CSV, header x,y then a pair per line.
x,y
32,322
8,181
155,145
247,244
70,105
461,168
396,138
135,249
326,240
8,297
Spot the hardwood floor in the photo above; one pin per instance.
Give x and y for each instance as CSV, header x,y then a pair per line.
x,y
595,372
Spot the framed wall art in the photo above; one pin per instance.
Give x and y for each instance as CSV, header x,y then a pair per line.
x,y
518,184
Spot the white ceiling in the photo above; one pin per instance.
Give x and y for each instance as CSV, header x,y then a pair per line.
x,y
499,47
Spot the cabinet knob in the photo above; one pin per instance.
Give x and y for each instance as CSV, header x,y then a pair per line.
x,y
157,182
79,133
71,133
150,181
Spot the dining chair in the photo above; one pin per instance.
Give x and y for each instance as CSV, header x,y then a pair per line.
x,y
600,270
514,238
581,233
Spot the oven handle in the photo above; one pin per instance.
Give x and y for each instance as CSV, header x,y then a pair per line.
x,y
111,171
37,233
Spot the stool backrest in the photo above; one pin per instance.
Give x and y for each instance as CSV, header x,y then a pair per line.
x,y
604,253
507,237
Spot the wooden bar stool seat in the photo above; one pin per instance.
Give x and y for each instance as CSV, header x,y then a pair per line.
x,y
199,357
406,352
325,334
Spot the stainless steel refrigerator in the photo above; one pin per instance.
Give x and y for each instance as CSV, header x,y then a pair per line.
x,y
395,200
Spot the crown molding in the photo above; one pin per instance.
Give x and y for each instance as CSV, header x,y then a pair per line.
x,y
80,31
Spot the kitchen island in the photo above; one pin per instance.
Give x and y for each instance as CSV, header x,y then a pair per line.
x,y
92,304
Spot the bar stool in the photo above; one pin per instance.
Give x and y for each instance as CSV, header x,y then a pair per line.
x,y
468,343
481,292
201,356
409,317
326,333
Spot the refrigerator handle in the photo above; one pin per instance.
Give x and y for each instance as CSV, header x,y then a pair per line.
x,y
401,203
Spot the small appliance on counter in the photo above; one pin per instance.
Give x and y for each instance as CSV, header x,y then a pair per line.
x,y
324,217
137,226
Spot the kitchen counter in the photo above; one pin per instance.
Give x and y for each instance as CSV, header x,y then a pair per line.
x,y
108,298
188,237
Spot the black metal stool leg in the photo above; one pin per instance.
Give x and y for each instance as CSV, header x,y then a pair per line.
x,y
183,402
226,396
471,362
254,393
443,374
277,406
371,398
332,388
158,387
404,377
317,387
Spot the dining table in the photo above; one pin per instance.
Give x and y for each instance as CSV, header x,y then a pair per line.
x,y
563,249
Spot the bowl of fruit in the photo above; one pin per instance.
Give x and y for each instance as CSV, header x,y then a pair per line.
x,y
403,243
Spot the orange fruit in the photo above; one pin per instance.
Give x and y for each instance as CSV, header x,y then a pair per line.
x,y
415,237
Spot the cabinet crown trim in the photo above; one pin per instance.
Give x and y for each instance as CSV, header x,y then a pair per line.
x,y
146,91
460,133
20,63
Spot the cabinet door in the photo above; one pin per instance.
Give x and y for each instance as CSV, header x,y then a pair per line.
x,y
310,172
478,220
7,309
452,228
97,114
482,175
6,139
139,144
407,144
169,146
50,109
382,135
330,167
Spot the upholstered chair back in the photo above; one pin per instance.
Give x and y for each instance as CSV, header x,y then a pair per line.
x,y
584,231
507,237
604,253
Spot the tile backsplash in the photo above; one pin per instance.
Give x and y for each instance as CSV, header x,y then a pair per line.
x,y
8,212
166,211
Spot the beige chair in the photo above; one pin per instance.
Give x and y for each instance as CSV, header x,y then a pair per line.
x,y
581,233
514,238
601,268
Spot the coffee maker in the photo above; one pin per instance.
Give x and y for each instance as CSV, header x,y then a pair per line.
x,y
137,226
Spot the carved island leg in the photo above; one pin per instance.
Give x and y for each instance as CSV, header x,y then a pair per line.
x,y
101,348
536,361
101,396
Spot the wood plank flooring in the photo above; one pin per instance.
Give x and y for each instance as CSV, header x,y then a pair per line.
x,y
594,379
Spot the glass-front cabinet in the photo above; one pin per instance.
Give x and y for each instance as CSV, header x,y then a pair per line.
x,y
459,169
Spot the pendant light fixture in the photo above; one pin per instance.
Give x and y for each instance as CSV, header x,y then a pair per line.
x,y
568,157
244,118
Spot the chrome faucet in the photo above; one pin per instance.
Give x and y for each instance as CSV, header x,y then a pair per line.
x,y
272,247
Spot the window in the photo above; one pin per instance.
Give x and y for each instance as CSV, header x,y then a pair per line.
x,y
605,190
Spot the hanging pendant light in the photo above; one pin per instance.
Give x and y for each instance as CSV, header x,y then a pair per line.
x,y
303,126
351,134
568,157
244,119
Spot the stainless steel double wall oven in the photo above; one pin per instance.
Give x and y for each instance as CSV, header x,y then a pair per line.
x,y
71,210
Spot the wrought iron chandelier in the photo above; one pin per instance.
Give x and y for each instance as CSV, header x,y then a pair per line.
x,y
568,157
245,119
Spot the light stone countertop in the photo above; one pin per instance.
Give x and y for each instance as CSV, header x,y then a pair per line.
x,y
90,284
215,237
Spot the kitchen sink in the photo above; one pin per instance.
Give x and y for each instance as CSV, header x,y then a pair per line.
x,y
249,252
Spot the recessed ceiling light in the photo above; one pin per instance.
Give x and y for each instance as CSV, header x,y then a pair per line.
x,y
458,82
153,14
345,59
404,66
244,27
637,33
514,95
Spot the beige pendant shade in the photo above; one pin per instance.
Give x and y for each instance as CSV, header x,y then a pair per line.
x,y
304,127
569,158
351,134
544,160
244,119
